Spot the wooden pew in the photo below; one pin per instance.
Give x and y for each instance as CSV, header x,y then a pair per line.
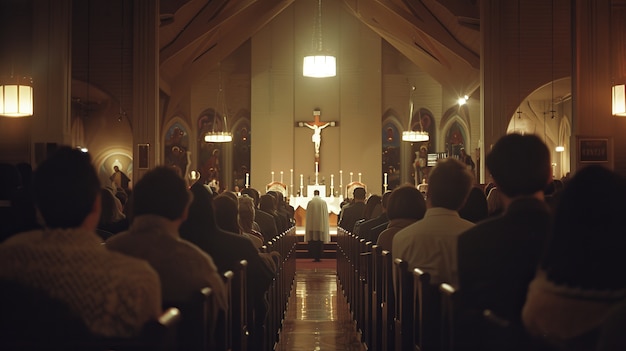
x,y
423,295
376,342
404,307
223,330
388,302
448,318
239,307
196,330
367,276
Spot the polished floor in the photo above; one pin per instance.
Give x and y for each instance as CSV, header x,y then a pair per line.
x,y
318,318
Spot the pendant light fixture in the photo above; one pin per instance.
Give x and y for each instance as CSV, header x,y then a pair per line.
x,y
216,134
410,134
320,64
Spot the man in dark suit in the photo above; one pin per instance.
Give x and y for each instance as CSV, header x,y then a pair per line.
x,y
498,257
354,211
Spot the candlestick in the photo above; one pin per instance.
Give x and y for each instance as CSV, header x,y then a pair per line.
x,y
351,177
291,182
301,180
281,176
316,172
332,180
385,179
272,176
247,180
359,177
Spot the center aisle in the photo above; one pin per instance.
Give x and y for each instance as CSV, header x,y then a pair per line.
x,y
318,317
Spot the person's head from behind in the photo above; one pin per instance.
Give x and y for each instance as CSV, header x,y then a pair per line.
x,y
163,193
246,213
201,218
267,203
587,244
372,206
67,189
520,165
278,196
226,212
316,192
449,184
359,194
406,202
253,193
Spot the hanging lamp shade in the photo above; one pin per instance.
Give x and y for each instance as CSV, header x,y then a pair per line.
x,y
411,135
217,134
415,136
619,100
16,96
319,64
218,137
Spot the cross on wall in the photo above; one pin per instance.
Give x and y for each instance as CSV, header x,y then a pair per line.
x,y
317,127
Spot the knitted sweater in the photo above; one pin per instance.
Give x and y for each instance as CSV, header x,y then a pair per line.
x,y
114,294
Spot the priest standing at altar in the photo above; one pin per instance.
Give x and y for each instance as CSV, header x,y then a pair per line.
x,y
317,231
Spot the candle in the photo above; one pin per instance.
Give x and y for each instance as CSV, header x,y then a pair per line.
x,y
359,177
385,176
281,176
351,177
247,180
340,178
272,176
291,177
301,180
332,180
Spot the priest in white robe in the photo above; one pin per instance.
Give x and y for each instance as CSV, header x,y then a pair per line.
x,y
317,231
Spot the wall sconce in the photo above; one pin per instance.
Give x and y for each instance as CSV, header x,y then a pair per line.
x,y
16,96
619,100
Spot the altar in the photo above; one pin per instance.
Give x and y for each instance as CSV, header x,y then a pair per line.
x,y
334,203
299,204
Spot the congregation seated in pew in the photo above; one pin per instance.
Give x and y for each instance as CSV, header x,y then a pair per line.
x,y
227,249
160,204
113,294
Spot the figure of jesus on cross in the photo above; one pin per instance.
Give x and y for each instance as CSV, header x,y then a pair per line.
x,y
317,127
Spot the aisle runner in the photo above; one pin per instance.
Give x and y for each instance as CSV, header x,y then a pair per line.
x,y
317,315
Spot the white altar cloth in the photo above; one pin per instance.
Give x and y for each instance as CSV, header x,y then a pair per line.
x,y
334,203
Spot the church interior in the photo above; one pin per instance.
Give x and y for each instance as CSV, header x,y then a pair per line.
x,y
140,83
219,90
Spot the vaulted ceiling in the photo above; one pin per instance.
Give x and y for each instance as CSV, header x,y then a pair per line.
x,y
442,37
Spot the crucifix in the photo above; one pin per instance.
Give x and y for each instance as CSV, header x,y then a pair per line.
x,y
317,127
